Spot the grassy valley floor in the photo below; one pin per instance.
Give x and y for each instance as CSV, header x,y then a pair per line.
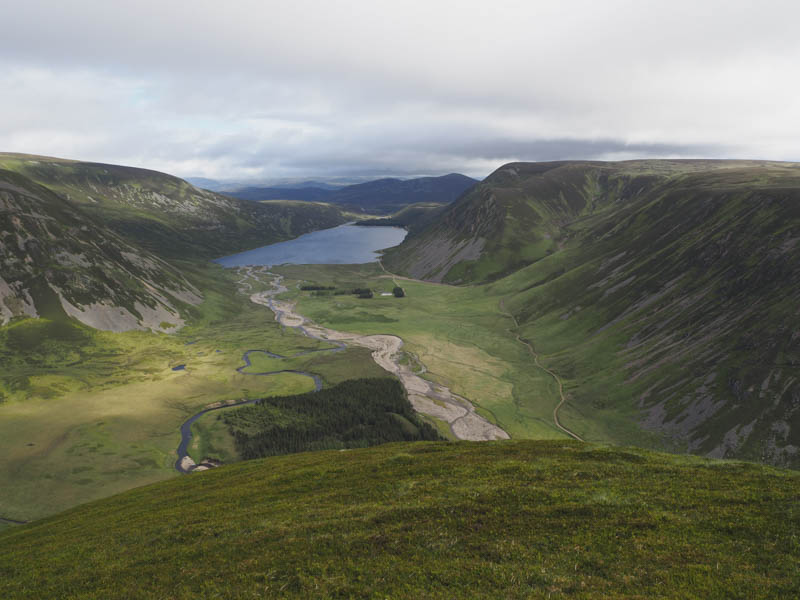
x,y
466,341
92,413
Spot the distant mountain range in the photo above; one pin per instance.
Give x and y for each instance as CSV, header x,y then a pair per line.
x,y
305,194
382,196
662,291
224,186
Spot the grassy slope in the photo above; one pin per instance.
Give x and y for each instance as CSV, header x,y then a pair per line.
x,y
167,215
663,292
435,520
92,413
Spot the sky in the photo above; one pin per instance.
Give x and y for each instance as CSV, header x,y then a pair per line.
x,y
260,90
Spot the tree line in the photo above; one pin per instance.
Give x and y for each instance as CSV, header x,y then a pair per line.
x,y
353,414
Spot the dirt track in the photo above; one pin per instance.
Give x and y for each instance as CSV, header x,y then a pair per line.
x,y
557,379
426,397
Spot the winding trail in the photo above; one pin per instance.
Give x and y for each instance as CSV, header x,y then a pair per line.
x,y
426,397
535,356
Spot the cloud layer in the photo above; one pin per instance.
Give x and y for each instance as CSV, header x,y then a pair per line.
x,y
255,89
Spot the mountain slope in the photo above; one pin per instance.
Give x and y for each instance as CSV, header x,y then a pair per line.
x,y
665,293
382,196
433,520
167,215
58,262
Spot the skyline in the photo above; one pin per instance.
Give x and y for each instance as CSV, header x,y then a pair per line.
x,y
262,90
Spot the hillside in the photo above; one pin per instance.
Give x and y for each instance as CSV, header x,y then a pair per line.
x,y
663,292
167,215
58,262
382,196
433,520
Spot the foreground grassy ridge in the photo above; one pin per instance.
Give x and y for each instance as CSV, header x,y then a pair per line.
x,y
498,519
88,413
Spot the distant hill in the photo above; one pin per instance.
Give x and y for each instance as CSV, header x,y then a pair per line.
x,y
391,195
167,215
306,194
427,520
226,186
57,261
413,217
307,184
382,196
663,292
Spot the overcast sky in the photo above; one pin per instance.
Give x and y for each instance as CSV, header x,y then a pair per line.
x,y
243,90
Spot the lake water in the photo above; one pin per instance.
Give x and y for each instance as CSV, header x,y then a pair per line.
x,y
345,244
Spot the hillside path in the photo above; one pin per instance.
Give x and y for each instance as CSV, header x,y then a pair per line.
x,y
394,277
552,374
426,397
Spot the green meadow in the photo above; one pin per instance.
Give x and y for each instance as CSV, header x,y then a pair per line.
x,y
459,334
86,413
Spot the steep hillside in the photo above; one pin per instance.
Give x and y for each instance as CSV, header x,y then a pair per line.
x,y
167,215
57,262
427,520
663,292
382,196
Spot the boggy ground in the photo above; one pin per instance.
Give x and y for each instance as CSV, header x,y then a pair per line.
x,y
98,413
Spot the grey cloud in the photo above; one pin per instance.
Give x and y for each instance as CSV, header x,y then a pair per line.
x,y
261,89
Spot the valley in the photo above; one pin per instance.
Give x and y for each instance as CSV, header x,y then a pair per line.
x,y
400,300
530,308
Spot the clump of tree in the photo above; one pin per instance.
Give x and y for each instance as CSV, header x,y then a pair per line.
x,y
398,292
353,414
362,292
314,288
